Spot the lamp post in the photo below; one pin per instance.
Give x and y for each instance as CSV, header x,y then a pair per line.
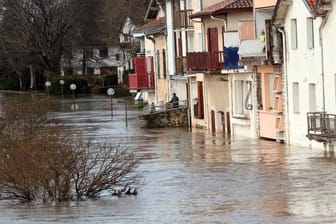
x,y
61,82
73,88
110,92
48,84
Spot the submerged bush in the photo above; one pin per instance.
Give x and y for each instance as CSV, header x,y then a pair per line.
x,y
42,159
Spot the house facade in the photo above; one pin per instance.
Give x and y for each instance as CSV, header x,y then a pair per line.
x,y
246,67
149,64
308,85
214,70
261,52
128,46
92,60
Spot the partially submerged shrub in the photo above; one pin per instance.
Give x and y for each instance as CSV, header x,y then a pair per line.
x,y
41,159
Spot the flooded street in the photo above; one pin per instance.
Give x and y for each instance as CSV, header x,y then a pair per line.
x,y
193,177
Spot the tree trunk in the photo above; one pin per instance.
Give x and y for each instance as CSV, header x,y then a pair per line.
x,y
32,76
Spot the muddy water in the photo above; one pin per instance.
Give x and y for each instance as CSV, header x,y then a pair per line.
x,y
193,177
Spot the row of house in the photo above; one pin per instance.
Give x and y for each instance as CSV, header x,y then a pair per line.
x,y
103,59
254,68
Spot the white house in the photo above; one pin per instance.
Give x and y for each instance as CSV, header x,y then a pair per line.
x,y
93,60
128,45
307,29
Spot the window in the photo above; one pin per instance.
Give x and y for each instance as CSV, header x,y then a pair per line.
x,y
293,34
198,7
191,41
200,41
158,63
198,103
164,63
242,96
189,4
103,52
270,90
310,33
312,97
296,96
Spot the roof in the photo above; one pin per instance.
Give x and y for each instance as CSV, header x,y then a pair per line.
x,y
152,27
311,4
318,7
224,7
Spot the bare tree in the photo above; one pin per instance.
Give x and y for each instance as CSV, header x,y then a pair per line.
x,y
37,32
41,159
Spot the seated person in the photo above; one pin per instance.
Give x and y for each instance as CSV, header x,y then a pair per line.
x,y
174,101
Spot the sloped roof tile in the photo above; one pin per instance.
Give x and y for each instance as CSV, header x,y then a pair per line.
x,y
154,26
223,6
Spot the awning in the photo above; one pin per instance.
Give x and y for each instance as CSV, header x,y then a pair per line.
x,y
251,48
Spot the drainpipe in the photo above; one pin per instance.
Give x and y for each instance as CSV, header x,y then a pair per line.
x,y
219,19
324,21
154,60
284,47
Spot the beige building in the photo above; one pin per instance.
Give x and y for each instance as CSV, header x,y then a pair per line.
x,y
214,72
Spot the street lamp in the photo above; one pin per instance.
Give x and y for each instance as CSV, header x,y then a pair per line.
x,y
61,82
73,88
110,92
48,84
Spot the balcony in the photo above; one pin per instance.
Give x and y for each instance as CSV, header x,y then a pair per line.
x,y
182,20
321,126
205,61
136,81
143,77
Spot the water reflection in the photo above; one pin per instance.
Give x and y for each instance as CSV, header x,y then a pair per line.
x,y
194,177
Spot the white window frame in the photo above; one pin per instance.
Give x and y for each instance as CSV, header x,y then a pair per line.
x,y
312,97
310,33
241,87
293,34
296,97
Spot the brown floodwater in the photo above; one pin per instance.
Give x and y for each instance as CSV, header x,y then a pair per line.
x,y
194,177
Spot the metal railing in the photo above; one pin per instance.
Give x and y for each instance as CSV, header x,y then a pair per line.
x,y
151,108
321,125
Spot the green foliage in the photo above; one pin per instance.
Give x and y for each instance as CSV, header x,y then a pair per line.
x,y
9,82
111,80
141,104
120,90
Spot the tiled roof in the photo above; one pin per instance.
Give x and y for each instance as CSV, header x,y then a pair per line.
x,y
223,6
312,4
151,25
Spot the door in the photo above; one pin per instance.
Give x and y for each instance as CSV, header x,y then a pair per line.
x,y
212,39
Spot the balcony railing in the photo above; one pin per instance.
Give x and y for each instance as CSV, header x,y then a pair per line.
x,y
205,61
181,19
143,77
321,126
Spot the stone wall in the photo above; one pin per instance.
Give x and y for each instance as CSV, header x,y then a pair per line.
x,y
177,117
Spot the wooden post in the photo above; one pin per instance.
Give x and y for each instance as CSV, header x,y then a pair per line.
x,y
228,122
126,122
111,107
